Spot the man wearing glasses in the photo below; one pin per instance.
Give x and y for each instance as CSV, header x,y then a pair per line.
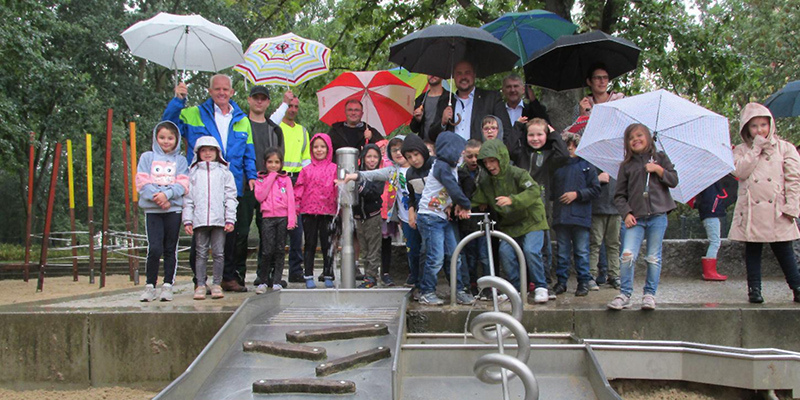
x,y
353,132
597,80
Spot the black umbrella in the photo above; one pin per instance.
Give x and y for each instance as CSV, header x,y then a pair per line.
x,y
436,49
564,64
785,102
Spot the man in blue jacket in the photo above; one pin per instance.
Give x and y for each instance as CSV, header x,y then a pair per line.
x,y
221,118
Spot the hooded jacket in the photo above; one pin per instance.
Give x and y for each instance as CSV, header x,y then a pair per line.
x,y
576,176
369,192
526,212
315,191
543,162
160,172
211,200
769,184
444,172
416,177
275,193
198,121
631,179
500,134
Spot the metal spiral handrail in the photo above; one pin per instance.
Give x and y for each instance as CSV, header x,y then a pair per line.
x,y
504,324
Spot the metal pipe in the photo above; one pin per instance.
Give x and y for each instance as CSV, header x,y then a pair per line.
x,y
106,197
48,217
512,364
523,270
346,159
494,318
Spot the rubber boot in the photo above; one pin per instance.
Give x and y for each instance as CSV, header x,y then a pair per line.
x,y
710,270
754,295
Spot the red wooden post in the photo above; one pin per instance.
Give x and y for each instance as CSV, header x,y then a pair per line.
x,y
48,218
106,193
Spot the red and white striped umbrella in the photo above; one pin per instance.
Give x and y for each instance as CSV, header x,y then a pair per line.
x,y
388,101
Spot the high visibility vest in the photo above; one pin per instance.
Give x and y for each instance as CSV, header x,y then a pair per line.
x,y
296,154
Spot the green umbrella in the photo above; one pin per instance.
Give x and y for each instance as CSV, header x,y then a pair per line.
x,y
526,32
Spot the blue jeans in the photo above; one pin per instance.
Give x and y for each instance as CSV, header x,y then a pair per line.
x,y
413,247
572,240
531,244
440,240
475,252
651,228
547,255
713,227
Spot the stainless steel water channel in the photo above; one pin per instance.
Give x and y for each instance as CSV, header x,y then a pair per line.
x,y
440,365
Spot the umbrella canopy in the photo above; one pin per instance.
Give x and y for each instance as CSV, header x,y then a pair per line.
x,y
436,49
284,60
388,101
184,42
418,81
529,31
564,64
695,139
785,102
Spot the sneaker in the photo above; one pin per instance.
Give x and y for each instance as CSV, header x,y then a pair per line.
x,y
231,286
593,285
649,302
149,293
166,292
583,289
502,298
431,299
276,287
753,295
415,294
601,279
485,294
410,282
463,297
261,289
284,284
296,279
560,288
615,283
620,302
387,281
551,295
199,293
540,295
328,282
368,283
310,283
216,292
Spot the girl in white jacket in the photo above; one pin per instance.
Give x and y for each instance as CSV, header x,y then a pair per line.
x,y
209,211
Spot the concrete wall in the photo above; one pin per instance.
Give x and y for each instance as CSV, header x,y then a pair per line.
x,y
57,349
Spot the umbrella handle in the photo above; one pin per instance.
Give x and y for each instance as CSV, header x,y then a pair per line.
x,y
456,122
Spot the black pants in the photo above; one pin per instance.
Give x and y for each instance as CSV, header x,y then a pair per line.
x,y
273,245
163,230
296,244
785,255
248,207
317,226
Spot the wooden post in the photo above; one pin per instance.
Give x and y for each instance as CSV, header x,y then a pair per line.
x,y
135,196
106,193
29,223
48,218
90,205
73,235
127,200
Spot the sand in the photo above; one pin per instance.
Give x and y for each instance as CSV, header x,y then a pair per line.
x,y
110,393
15,291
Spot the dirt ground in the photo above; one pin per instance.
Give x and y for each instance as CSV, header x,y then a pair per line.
x,y
670,390
14,291
111,393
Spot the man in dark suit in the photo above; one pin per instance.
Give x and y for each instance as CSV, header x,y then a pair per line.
x,y
520,112
428,108
471,105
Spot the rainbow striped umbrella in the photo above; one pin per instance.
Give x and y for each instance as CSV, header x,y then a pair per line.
x,y
284,60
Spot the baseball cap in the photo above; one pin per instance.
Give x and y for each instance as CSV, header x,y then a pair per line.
x,y
259,90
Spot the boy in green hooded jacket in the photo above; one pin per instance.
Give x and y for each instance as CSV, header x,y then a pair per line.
x,y
515,197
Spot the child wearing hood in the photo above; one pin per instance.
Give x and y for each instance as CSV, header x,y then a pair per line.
x,y
367,214
209,211
162,180
439,235
275,194
514,196
316,198
768,169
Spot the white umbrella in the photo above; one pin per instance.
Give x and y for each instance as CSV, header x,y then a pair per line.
x,y
695,139
184,42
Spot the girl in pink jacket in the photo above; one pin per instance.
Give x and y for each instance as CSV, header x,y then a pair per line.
x,y
316,196
274,192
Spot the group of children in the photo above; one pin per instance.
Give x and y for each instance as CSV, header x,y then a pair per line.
x,y
540,184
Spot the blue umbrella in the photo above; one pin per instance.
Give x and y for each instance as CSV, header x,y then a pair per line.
x,y
526,32
785,102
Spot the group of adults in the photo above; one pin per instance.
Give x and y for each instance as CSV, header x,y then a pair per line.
x,y
244,137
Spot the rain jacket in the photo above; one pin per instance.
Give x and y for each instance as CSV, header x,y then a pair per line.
x,y
769,184
274,192
415,177
198,121
576,176
441,187
159,172
211,200
315,191
631,179
500,134
526,212
389,173
369,192
713,200
604,203
541,163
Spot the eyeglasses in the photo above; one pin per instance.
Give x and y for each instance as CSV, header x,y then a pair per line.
x,y
600,78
